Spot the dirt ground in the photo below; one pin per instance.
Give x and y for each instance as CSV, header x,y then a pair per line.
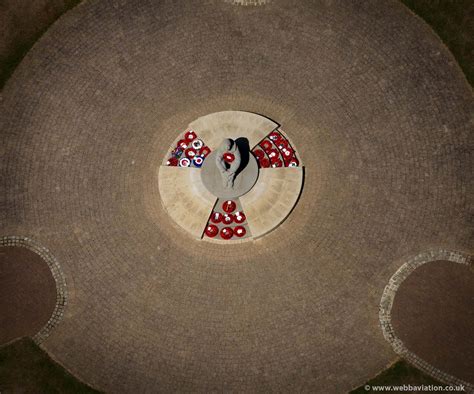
x,y
27,293
433,314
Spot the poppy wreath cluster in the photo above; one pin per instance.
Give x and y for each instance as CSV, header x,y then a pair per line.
x,y
189,151
275,151
228,224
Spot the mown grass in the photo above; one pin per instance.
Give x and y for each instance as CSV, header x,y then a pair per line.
x,y
453,21
26,368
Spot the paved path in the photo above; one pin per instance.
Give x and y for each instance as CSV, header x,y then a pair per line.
x,y
380,114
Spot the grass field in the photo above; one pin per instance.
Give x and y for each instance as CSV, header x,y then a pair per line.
x,y
453,21
26,368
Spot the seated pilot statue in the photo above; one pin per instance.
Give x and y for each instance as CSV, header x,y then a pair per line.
x,y
228,159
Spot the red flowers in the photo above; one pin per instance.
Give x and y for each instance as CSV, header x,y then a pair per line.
x,y
275,151
229,206
228,157
226,233
224,218
211,230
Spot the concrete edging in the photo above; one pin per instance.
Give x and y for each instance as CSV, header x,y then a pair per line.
x,y
248,2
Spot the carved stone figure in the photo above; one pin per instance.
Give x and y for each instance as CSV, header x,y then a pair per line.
x,y
228,160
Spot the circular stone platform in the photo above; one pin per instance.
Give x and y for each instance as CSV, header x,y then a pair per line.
x,y
266,188
382,121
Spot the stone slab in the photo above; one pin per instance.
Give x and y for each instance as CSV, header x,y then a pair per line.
x,y
273,197
185,199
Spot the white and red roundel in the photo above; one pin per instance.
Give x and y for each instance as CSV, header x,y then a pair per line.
x,y
198,160
184,162
189,146
197,144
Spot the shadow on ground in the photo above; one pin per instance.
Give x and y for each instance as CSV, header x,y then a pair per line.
x,y
26,368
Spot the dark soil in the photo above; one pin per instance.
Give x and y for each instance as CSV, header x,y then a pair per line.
x,y
433,314
27,293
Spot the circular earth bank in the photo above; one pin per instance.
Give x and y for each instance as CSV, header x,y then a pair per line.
x,y
433,314
27,293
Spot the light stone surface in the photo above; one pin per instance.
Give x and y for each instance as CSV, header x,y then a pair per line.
x,y
272,198
244,181
212,128
382,122
185,198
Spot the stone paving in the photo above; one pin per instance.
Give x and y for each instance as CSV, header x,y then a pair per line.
x,y
248,2
382,118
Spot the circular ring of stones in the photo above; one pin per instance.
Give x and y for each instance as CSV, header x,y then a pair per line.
x,y
248,2
59,279
386,304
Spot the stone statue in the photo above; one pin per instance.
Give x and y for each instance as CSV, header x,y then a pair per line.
x,y
228,159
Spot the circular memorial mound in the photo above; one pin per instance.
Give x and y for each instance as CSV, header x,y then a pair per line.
x,y
27,293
